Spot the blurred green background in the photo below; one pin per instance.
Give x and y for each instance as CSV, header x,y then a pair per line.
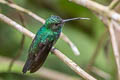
x,y
84,34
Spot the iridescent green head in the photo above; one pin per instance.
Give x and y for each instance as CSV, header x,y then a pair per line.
x,y
55,22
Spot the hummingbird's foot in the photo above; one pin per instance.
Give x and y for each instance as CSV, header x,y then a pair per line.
x,y
52,50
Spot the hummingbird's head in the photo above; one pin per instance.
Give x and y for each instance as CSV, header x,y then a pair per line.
x,y
54,22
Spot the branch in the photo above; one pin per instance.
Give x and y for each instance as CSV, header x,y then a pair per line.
x,y
113,4
96,52
100,9
43,72
115,46
73,47
105,11
19,53
101,73
72,65
12,5
62,36
111,24
60,55
117,26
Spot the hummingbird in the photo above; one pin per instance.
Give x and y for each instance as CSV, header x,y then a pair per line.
x,y
45,38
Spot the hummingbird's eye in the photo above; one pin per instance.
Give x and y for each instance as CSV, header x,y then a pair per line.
x,y
56,24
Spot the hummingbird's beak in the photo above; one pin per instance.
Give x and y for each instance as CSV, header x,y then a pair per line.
x,y
66,20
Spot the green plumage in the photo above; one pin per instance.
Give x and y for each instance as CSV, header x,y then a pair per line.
x,y
45,38
42,36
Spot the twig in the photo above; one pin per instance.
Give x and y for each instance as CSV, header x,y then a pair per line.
x,y
43,72
21,43
117,32
60,55
102,10
101,73
10,1
73,47
22,40
113,4
115,46
72,65
23,10
117,26
111,26
107,49
62,36
95,54
16,26
18,54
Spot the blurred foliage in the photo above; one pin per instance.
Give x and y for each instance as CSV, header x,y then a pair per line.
x,y
85,34
16,76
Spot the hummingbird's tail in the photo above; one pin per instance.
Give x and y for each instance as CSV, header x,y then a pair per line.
x,y
27,66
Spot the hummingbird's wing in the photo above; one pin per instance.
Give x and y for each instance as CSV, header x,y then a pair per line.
x,y
41,57
35,60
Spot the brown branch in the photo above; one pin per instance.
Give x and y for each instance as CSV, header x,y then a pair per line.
x,y
18,54
100,9
96,52
43,72
21,17
60,55
107,49
63,36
